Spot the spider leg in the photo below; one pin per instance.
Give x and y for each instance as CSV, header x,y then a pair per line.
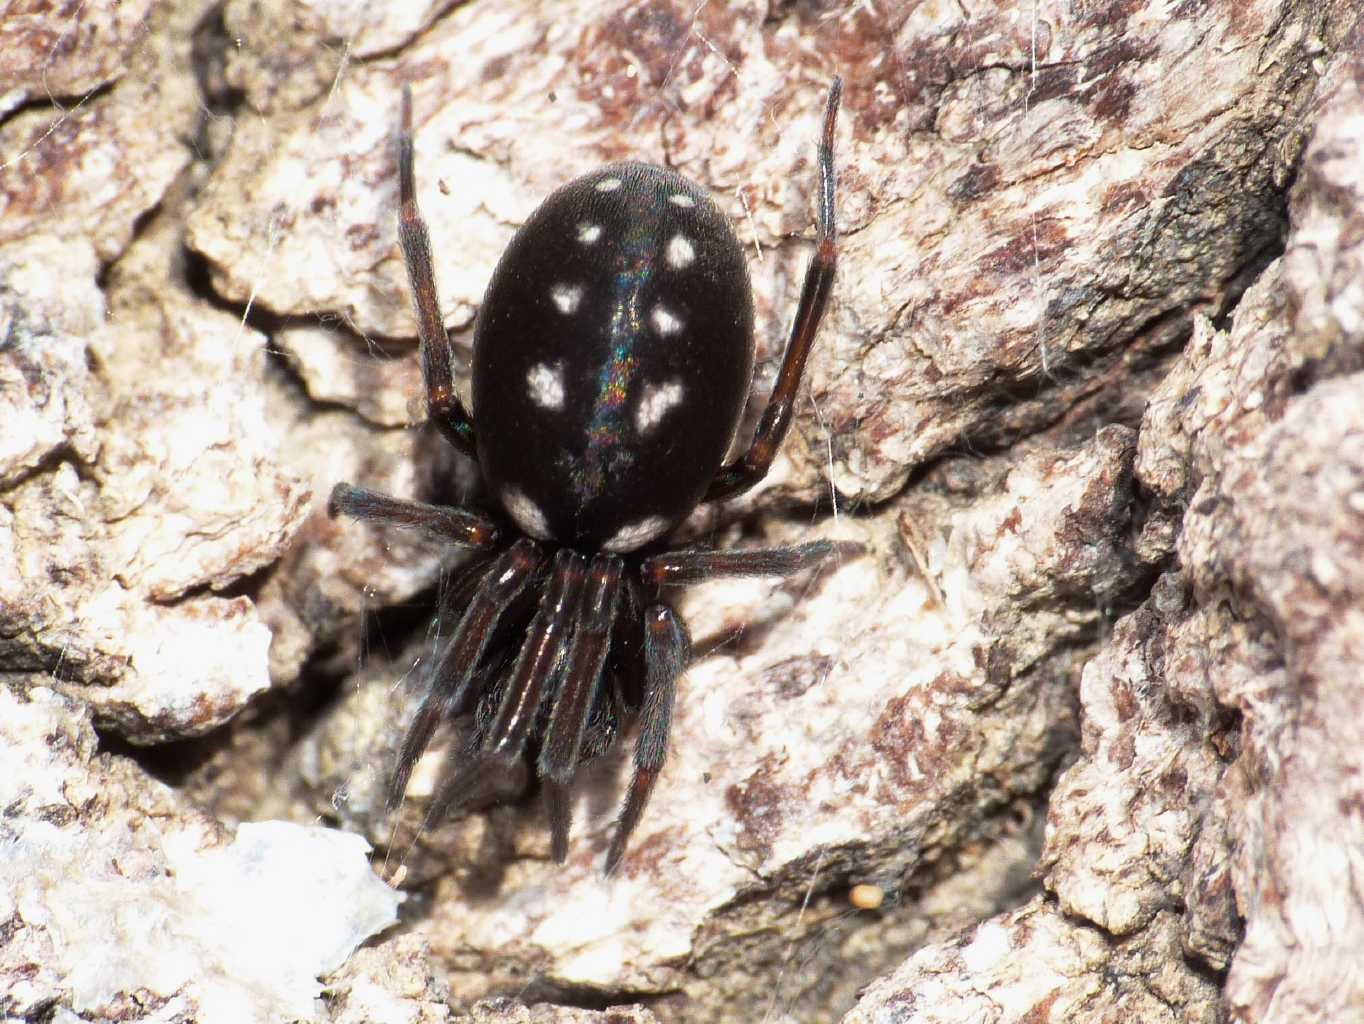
x,y
536,666
451,689
578,693
459,787
539,661
739,476
474,777
559,810
457,525
442,399
666,650
679,568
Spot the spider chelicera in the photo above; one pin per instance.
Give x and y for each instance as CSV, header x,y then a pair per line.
x,y
613,354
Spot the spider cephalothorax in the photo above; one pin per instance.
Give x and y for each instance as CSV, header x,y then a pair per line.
x,y
612,359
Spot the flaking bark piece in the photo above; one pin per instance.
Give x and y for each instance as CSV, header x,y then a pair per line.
x,y
286,55
45,319
1037,964
118,896
90,168
1122,822
48,53
161,485
1223,744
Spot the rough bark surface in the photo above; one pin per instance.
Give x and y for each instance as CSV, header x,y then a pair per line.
x,y
121,901
1079,739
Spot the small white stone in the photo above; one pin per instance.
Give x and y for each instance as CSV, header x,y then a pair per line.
x,y
546,385
682,199
655,402
680,252
665,321
608,184
566,297
588,233
627,538
525,513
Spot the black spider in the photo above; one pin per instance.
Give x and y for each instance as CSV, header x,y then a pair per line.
x,y
613,355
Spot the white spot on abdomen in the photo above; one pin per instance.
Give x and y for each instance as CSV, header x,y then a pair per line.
x,y
627,538
525,513
608,185
655,403
566,297
546,384
679,252
682,199
588,233
665,321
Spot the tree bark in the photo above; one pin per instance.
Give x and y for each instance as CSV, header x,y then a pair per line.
x,y
1080,738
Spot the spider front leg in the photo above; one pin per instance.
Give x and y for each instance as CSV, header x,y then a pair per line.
x,y
586,654
442,400
496,748
452,686
667,648
739,476
539,662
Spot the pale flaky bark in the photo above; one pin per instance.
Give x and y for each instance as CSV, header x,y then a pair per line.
x,y
1086,719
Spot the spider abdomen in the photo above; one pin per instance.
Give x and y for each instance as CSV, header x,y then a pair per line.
x,y
612,359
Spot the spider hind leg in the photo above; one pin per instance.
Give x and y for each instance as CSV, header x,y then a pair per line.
x,y
696,565
446,409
